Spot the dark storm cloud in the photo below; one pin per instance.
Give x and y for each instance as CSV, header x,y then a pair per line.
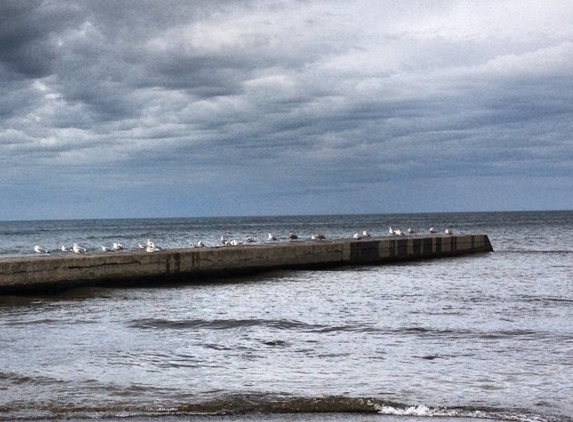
x,y
325,102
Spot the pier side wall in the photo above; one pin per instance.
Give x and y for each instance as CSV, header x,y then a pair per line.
x,y
48,274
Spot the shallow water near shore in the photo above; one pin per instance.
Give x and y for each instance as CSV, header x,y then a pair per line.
x,y
488,336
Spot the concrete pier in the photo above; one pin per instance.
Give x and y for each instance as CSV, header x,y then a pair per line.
x,y
52,274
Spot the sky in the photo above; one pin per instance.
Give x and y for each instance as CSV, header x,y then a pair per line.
x,y
176,108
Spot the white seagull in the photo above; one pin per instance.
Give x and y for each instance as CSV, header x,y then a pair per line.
x,y
433,230
398,232
152,248
39,249
65,249
366,234
272,237
411,230
318,236
391,231
117,246
357,236
106,248
448,232
78,249
249,239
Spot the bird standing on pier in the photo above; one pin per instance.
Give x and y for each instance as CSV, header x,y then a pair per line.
x,y
40,250
448,232
433,230
152,248
79,249
272,237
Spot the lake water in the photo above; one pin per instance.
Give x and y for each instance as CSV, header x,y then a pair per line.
x,y
487,336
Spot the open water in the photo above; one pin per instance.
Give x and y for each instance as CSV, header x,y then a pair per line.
x,y
482,337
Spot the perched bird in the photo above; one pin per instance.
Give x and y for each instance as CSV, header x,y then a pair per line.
x,y
117,246
200,244
411,230
433,230
395,232
272,237
106,248
318,236
65,248
224,240
140,246
357,236
249,239
366,234
78,249
235,242
448,232
39,249
292,236
150,244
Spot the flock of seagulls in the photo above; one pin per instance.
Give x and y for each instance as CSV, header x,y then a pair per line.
x,y
150,246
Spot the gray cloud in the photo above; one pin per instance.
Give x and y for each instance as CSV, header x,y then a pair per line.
x,y
259,107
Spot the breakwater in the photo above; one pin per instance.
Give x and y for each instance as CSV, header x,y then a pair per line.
x,y
51,274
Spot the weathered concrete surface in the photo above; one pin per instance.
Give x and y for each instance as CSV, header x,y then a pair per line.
x,y
50,274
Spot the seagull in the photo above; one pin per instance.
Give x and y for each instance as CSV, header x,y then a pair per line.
x,y
65,249
39,249
318,236
78,249
152,248
395,232
433,230
357,236
366,234
292,236
411,230
272,237
117,246
200,244
235,242
249,239
140,246
224,240
106,248
448,232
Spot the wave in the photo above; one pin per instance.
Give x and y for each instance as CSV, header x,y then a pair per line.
x,y
257,406
285,324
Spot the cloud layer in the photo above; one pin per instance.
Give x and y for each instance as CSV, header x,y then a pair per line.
x,y
175,108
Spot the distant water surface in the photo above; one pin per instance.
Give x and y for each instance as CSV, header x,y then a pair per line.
x,y
488,336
